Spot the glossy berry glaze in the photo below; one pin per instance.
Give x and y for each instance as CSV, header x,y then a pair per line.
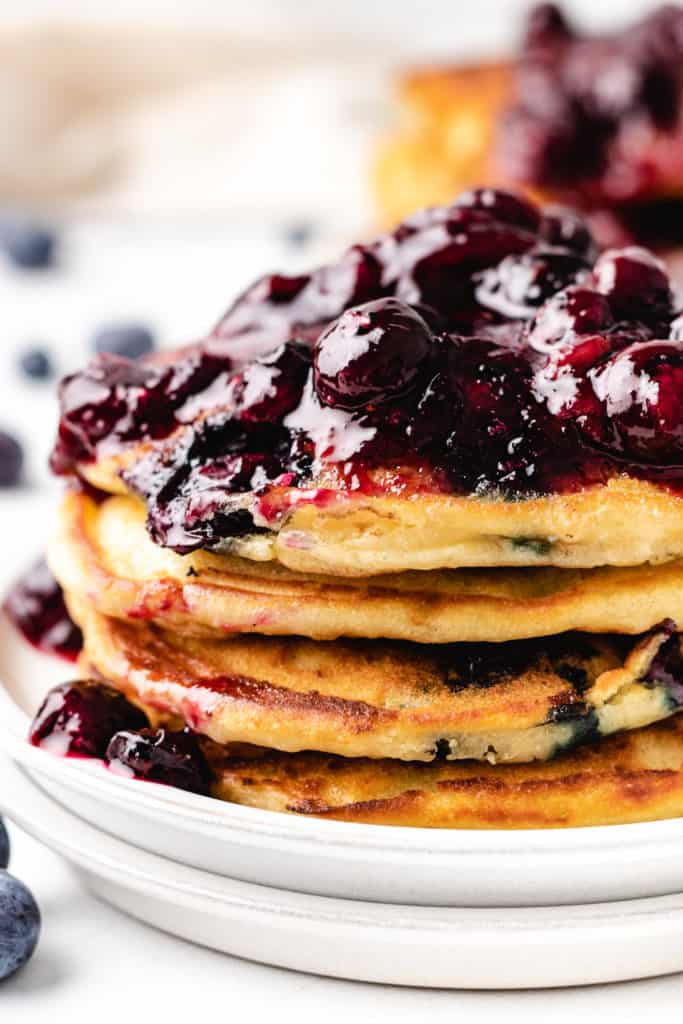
x,y
80,717
476,349
87,718
160,755
599,119
35,604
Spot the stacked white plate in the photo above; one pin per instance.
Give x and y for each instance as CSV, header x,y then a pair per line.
x,y
466,909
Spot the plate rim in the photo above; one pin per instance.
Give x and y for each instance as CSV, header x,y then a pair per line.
x,y
82,843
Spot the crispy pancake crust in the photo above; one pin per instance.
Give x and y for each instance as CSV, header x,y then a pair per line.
x,y
518,702
103,553
623,522
634,776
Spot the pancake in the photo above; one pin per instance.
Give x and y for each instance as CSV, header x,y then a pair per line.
x,y
623,522
444,137
102,552
634,776
520,701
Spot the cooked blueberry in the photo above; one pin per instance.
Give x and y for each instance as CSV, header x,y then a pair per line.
x,y
127,340
574,311
522,283
273,310
354,279
271,386
641,415
11,460
36,363
36,606
27,244
19,924
434,265
635,282
81,717
123,400
505,207
579,100
371,353
4,845
159,755
567,230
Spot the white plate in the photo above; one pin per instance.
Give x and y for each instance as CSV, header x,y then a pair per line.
x,y
426,946
329,858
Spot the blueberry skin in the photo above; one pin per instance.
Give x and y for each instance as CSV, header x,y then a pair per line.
x,y
4,845
11,460
36,364
129,340
19,924
28,245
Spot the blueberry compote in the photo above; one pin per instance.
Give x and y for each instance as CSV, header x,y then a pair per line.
x,y
476,349
35,605
598,116
161,755
88,718
80,717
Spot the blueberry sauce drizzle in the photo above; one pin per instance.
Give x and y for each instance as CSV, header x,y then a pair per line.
x,y
478,348
594,116
35,605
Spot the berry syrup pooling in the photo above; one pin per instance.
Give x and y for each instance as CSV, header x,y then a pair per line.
x,y
478,349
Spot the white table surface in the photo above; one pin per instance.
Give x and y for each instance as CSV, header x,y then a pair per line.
x,y
93,964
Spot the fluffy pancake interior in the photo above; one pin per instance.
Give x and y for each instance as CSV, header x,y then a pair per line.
x,y
102,552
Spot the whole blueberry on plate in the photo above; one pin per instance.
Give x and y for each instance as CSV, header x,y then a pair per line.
x,y
130,340
4,845
36,363
28,245
11,460
19,924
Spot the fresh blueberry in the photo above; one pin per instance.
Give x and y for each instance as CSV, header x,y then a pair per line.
x,y
128,340
36,363
4,845
11,460
19,924
27,244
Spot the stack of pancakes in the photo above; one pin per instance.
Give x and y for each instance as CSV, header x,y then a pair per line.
x,y
434,661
